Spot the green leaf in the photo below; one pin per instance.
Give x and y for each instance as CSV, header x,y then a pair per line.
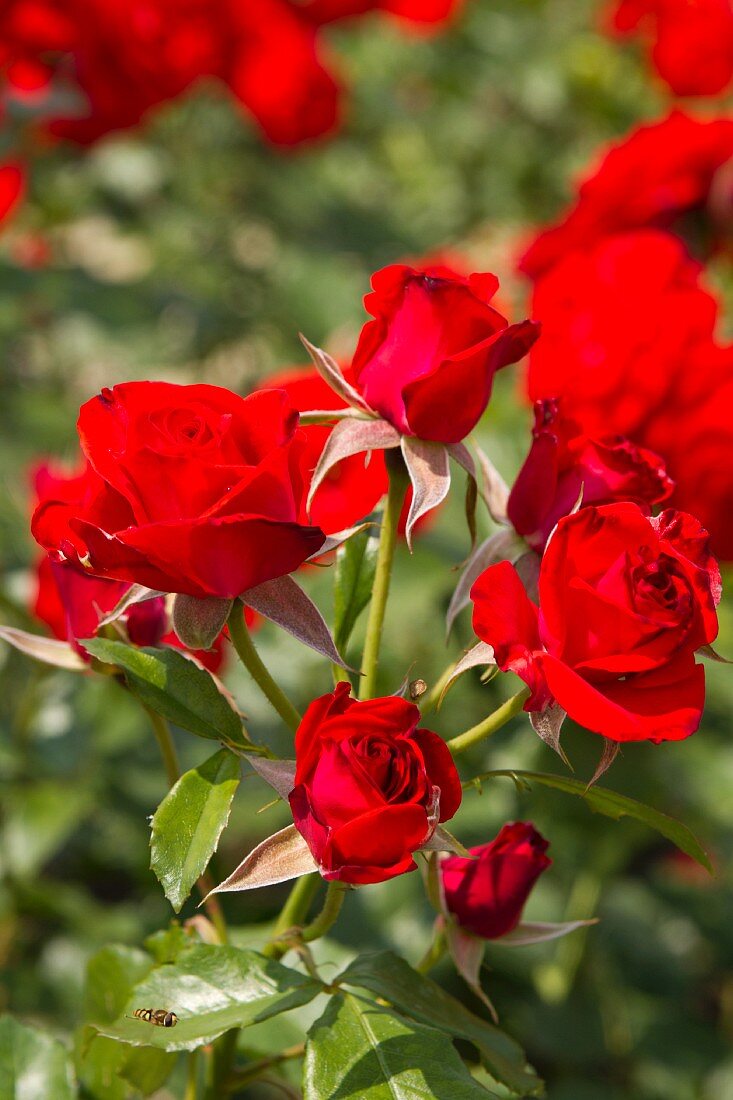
x,y
188,823
145,1068
390,977
32,1065
172,685
111,975
108,1070
356,563
611,804
39,819
211,989
358,1050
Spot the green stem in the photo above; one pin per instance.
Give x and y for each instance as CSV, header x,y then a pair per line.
x,y
250,658
293,913
490,725
433,955
383,574
163,736
192,1077
327,917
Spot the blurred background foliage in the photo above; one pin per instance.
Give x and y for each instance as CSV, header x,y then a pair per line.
x,y
189,251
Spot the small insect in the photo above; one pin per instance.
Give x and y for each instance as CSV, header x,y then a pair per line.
x,y
160,1017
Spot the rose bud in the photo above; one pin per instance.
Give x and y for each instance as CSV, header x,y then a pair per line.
x,y
190,489
427,361
486,894
370,787
565,466
625,600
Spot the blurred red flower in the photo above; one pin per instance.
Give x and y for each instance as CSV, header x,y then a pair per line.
x,y
12,187
668,174
692,40
628,344
422,12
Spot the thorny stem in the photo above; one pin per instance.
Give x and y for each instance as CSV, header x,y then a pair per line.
x,y
490,725
250,658
383,574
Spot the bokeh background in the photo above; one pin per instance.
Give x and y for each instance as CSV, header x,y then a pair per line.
x,y
190,251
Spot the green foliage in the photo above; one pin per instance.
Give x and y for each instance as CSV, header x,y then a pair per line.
x,y
358,1050
188,823
615,805
32,1064
390,977
356,562
169,683
211,989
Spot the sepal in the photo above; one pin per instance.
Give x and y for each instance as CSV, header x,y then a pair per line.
x,y
281,857
284,603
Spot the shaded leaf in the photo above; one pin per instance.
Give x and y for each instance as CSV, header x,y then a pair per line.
x,y
50,651
429,469
359,1050
356,563
284,602
503,545
280,857
547,724
480,654
494,489
529,932
352,437
467,952
32,1064
331,373
390,977
111,974
280,774
211,989
136,593
174,686
198,623
614,805
188,823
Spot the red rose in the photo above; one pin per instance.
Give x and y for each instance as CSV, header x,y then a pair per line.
x,y
659,378
486,895
625,602
191,489
12,186
564,463
353,488
662,175
693,40
370,787
427,361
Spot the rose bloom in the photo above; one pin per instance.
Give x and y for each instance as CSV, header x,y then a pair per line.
x,y
692,40
191,489
658,377
486,894
72,603
370,786
662,175
625,600
427,361
565,466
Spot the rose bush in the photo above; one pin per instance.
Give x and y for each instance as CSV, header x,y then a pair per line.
x,y
188,489
625,601
370,785
487,893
